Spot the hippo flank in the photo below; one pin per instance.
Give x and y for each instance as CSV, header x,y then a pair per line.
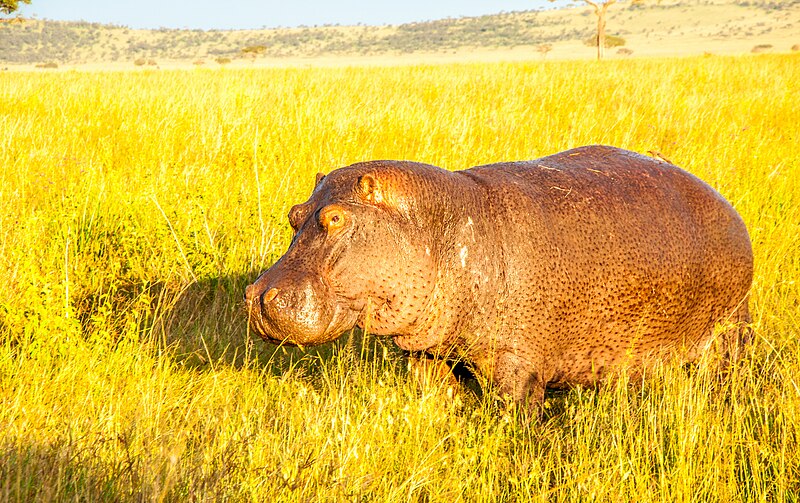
x,y
542,273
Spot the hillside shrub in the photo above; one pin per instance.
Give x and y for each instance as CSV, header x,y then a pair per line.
x,y
254,50
611,41
544,49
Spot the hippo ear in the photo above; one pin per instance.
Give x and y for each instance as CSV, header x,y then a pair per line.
x,y
377,190
320,176
370,189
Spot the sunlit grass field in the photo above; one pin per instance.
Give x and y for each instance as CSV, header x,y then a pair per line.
x,y
135,207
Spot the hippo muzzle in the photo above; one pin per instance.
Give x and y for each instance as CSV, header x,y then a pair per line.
x,y
293,309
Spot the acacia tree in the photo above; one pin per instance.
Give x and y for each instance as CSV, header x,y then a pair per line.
x,y
9,6
600,8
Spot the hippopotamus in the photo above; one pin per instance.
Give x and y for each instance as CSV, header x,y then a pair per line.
x,y
539,274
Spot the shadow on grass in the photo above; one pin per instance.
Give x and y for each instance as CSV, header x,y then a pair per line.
x,y
207,326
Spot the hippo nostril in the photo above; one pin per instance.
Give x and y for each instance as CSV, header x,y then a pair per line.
x,y
271,294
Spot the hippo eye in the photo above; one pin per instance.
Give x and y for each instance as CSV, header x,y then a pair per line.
x,y
332,217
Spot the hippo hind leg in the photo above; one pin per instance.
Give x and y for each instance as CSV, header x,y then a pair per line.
x,y
724,341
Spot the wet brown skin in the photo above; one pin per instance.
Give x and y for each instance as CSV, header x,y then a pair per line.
x,y
541,273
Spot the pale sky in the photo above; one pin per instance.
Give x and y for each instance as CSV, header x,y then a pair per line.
x,y
239,14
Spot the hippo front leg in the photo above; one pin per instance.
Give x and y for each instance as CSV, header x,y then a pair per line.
x,y
518,380
427,370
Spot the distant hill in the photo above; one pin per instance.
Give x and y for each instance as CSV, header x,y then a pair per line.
x,y
672,27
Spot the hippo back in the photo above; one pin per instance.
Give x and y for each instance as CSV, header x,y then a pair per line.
x,y
611,256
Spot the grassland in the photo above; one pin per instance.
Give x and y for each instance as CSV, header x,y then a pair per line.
x,y
135,207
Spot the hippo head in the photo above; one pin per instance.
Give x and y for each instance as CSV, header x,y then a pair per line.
x,y
360,251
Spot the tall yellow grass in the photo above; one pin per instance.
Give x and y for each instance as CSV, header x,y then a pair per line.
x,y
135,207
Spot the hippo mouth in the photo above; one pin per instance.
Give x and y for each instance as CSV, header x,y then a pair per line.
x,y
264,329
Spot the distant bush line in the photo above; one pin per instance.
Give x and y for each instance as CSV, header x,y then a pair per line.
x,y
34,41
70,42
